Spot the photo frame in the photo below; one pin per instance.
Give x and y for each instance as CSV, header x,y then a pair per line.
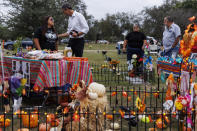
x,y
23,68
193,56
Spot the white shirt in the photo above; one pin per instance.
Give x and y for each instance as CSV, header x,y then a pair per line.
x,y
78,23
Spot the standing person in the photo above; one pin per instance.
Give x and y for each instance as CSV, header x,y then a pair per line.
x,y
77,28
45,37
171,37
135,42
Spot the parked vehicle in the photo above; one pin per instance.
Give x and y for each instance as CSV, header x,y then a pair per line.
x,y
64,41
9,45
87,41
154,45
119,46
103,42
25,42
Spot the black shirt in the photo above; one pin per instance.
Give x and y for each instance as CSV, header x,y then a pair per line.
x,y
135,39
48,40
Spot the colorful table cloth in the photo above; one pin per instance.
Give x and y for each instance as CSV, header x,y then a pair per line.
x,y
170,67
52,73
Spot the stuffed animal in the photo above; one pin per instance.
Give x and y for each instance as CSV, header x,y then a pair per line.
x,y
91,99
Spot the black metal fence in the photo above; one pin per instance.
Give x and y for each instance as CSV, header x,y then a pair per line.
x,y
135,103
122,118
118,74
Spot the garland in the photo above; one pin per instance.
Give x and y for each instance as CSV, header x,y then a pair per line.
x,y
189,39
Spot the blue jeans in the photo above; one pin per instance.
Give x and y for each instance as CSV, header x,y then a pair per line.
x,y
140,53
172,51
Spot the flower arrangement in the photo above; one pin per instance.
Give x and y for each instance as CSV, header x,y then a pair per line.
x,y
189,39
134,65
114,64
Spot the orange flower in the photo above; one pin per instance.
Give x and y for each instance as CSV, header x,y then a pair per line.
x,y
124,94
156,95
129,98
114,93
55,123
76,117
160,124
75,86
110,117
150,118
121,113
192,18
50,118
36,89
132,113
166,119
66,110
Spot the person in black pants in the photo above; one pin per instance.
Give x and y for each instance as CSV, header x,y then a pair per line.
x,y
77,28
77,46
135,42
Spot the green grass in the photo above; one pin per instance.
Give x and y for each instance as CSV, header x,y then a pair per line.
x,y
98,58
94,54
94,46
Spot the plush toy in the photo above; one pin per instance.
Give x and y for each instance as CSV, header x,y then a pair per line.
x,y
91,99
5,96
171,86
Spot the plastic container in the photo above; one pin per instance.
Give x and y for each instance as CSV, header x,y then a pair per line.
x,y
67,52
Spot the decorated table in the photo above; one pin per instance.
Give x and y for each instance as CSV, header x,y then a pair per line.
x,y
48,73
170,65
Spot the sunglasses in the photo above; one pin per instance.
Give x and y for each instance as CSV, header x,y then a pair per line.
x,y
51,19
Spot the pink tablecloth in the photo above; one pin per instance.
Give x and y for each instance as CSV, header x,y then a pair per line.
x,y
52,73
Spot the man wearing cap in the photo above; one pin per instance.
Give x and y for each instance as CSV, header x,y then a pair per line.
x,y
77,28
